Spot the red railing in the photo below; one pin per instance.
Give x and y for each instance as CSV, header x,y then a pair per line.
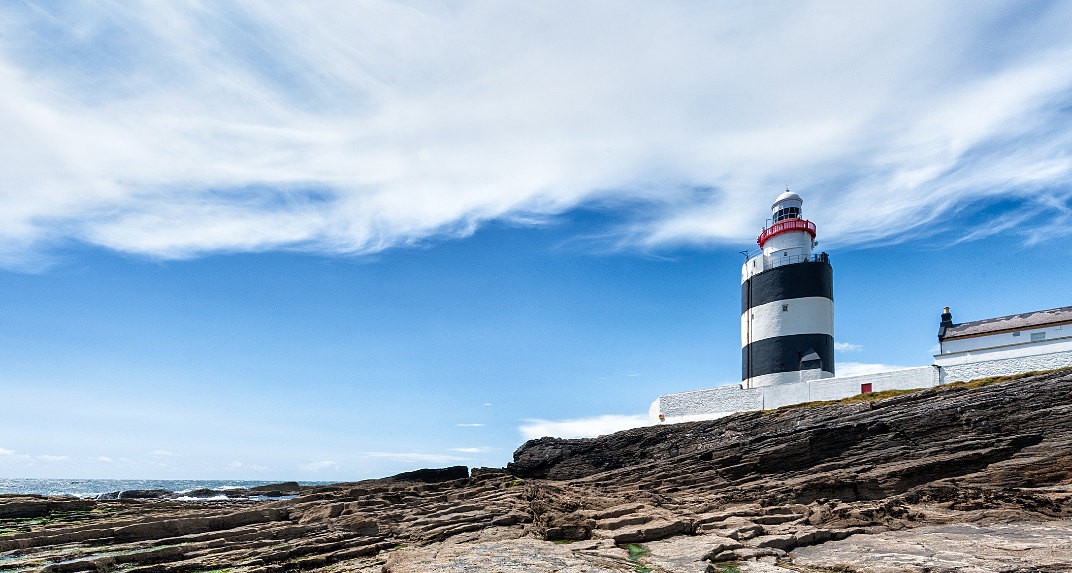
x,y
785,227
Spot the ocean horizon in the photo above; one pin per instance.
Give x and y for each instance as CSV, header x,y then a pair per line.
x,y
89,488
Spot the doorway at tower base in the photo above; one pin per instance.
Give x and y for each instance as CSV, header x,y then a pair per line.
x,y
712,403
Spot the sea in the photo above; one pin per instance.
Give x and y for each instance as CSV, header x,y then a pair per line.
x,y
88,488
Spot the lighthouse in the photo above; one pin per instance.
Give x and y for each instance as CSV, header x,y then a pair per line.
x,y
787,303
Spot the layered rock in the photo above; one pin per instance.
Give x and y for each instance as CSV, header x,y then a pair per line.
x,y
906,482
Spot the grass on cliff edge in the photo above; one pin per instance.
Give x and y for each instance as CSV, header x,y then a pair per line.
x,y
970,384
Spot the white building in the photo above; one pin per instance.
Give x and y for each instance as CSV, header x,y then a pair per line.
x,y
1040,340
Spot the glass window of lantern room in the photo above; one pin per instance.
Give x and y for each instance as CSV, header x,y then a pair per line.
x,y
787,213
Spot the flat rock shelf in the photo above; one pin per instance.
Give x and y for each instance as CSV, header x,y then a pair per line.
x,y
958,478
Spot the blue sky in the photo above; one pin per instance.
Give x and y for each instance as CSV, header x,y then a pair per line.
x,y
330,241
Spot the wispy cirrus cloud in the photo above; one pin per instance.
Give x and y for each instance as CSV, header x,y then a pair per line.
x,y
847,347
6,452
298,126
581,427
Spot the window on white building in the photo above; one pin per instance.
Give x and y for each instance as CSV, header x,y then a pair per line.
x,y
1037,336
785,308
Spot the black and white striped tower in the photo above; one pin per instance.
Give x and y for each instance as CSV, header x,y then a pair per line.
x,y
787,303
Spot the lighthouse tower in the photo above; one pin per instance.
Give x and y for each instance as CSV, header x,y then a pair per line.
x,y
787,303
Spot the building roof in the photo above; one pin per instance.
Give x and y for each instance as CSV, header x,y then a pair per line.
x,y
1012,322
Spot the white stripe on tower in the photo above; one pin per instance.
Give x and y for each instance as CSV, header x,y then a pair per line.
x,y
808,315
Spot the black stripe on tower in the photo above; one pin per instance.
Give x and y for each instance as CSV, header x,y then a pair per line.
x,y
786,282
786,354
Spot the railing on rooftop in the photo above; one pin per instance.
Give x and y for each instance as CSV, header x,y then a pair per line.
x,y
785,227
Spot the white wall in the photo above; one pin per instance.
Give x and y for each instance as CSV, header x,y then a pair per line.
x,y
783,249
904,379
949,367
787,244
1005,339
1048,346
783,394
705,404
752,266
1006,366
718,402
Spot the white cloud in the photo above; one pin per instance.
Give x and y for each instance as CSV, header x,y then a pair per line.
x,y
6,452
860,368
51,458
342,135
475,450
487,404
103,459
162,454
237,465
474,425
847,347
581,427
318,466
414,457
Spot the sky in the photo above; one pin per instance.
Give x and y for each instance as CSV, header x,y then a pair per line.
x,y
340,240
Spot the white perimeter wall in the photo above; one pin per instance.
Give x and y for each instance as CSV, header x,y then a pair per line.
x,y
1005,363
951,367
706,404
718,402
904,379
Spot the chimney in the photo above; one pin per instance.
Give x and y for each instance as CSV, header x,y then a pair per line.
x,y
947,321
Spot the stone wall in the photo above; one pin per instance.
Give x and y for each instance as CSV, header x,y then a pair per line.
x,y
706,404
717,402
1005,366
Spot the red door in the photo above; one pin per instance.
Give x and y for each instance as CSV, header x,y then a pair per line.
x,y
865,388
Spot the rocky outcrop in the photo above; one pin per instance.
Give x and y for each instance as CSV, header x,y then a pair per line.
x,y
913,482
433,475
137,494
30,506
1014,434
